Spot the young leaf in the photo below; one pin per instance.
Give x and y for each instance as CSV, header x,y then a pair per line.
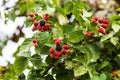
x,y
20,65
80,70
115,27
76,36
68,7
114,40
36,61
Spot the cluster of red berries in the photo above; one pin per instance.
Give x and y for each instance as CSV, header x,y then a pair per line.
x,y
59,50
35,42
32,16
103,22
42,25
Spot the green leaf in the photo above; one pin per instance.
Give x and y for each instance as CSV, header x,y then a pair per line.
x,y
57,32
105,37
114,40
67,29
90,53
80,70
85,19
103,76
95,53
20,64
45,50
95,77
68,7
76,36
56,2
36,61
43,37
102,65
60,10
86,13
69,64
114,17
24,48
67,75
115,27
26,54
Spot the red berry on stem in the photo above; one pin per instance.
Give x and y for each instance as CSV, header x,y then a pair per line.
x,y
57,53
95,17
31,14
104,25
34,40
54,39
46,27
35,45
87,34
66,46
36,23
57,42
64,51
52,56
100,20
105,21
93,20
34,28
46,17
39,28
101,30
46,14
51,50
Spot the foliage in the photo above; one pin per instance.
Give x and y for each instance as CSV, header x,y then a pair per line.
x,y
90,58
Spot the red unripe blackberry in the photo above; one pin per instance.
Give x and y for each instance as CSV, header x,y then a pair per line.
x,y
101,30
93,20
46,17
55,39
34,40
105,21
46,14
52,56
31,15
57,42
57,53
100,20
66,46
34,28
39,28
95,17
46,27
104,25
51,50
87,34
35,45
64,51
36,23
